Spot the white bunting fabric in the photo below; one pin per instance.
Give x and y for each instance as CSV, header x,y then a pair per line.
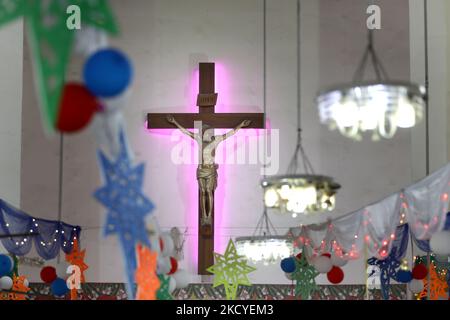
x,y
424,204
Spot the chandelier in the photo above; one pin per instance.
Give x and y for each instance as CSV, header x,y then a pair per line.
x,y
381,106
299,193
265,246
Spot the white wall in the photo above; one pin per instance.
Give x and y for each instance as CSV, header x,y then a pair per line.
x,y
11,60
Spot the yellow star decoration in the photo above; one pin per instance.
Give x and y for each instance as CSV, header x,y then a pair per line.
x,y
438,287
146,277
76,258
230,270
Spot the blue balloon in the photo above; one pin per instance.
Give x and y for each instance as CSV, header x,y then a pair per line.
x,y
6,265
59,287
404,276
107,73
288,265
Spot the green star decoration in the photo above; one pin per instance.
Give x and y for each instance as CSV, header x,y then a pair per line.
x,y
51,41
230,270
163,291
305,278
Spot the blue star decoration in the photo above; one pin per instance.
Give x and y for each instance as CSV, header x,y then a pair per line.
x,y
305,278
127,206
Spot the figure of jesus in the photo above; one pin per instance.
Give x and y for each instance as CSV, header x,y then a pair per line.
x,y
207,168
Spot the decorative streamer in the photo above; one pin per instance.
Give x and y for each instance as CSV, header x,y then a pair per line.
x,y
51,42
50,238
127,206
388,266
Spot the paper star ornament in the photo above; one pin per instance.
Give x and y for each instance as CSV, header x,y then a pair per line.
x,y
305,278
76,258
19,286
230,270
438,287
146,278
163,291
127,206
51,41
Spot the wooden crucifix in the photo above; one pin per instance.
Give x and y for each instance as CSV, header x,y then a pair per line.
x,y
208,142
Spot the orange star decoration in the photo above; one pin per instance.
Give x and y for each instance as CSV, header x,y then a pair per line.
x,y
76,258
146,278
18,286
438,286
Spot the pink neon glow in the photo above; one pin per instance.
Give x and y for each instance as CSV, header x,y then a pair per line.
x,y
186,174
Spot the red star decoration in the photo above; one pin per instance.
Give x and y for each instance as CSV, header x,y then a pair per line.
x,y
19,286
146,278
76,258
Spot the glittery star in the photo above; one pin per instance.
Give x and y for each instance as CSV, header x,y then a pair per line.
x,y
146,278
76,258
305,278
51,41
128,207
230,270
438,287
163,292
19,286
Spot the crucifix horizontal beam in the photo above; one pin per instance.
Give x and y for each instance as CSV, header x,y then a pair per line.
x,y
214,120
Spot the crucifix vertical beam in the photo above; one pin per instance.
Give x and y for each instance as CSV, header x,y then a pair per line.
x,y
206,96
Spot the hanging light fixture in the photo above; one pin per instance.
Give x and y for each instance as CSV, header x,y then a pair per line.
x,y
379,106
265,245
296,193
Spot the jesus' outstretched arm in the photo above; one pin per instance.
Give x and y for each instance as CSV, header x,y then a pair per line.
x,y
172,120
243,124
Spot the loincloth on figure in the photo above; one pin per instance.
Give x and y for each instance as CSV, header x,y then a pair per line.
x,y
207,177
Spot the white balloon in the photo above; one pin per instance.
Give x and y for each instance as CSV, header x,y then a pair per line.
x,y
415,286
323,264
440,243
172,284
168,246
6,283
26,283
164,265
182,278
338,261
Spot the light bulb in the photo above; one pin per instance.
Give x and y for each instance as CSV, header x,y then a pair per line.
x,y
346,113
309,195
406,115
270,198
369,117
285,192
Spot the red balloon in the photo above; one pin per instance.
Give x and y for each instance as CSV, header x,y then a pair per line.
x,y
335,275
326,254
76,109
173,265
420,271
48,274
299,256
